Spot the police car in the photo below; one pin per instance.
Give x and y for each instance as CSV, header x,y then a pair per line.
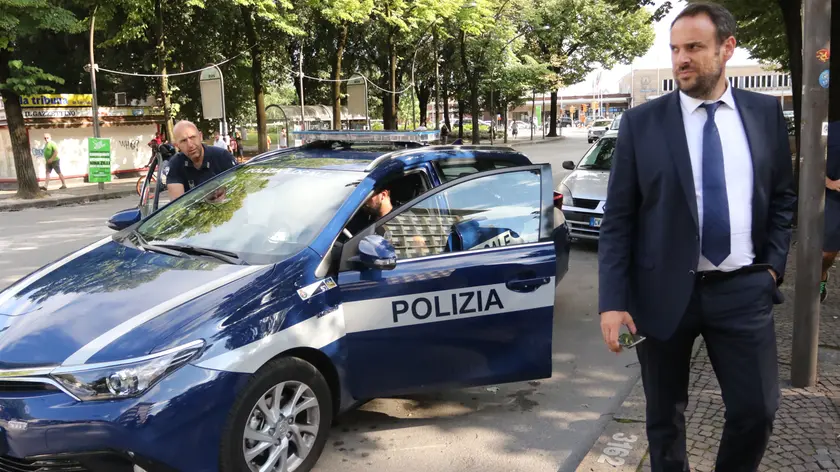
x,y
226,330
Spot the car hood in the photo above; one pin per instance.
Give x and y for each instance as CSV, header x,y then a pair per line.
x,y
589,184
106,288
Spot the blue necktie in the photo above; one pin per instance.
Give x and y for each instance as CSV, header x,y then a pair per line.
x,y
716,233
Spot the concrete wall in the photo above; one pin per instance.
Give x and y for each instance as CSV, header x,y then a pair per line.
x,y
128,149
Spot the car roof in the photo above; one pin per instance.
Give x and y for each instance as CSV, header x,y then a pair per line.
x,y
313,156
612,133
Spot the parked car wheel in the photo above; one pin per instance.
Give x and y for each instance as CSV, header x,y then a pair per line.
x,y
280,421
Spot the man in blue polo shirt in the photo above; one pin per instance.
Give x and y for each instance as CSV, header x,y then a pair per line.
x,y
195,163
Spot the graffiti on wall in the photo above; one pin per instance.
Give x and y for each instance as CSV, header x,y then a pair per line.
x,y
130,144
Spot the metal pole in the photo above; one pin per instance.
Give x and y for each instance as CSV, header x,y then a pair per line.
x,y
224,110
437,84
533,111
95,105
413,119
542,115
806,323
302,117
367,105
492,116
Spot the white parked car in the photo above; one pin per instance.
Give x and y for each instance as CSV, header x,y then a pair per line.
x,y
598,128
584,191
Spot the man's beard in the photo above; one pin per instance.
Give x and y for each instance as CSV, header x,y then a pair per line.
x,y
703,85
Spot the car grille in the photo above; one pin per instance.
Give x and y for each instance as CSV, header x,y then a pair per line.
x,y
10,464
17,386
579,226
585,203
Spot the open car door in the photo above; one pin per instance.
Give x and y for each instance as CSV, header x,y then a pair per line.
x,y
470,300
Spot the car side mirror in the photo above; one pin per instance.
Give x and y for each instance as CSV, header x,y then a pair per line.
x,y
569,165
376,252
123,219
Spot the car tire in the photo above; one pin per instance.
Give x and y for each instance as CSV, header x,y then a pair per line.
x,y
294,378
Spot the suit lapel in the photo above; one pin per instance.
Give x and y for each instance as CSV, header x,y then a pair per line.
x,y
678,146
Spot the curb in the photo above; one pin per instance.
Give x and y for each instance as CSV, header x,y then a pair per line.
x,y
623,445
62,201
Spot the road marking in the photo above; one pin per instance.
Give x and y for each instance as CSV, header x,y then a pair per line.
x,y
616,450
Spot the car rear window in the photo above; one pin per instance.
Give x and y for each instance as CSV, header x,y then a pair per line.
x,y
602,123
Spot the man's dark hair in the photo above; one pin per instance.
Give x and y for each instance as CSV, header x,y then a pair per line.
x,y
721,17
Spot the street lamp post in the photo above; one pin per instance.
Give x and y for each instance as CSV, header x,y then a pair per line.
x,y
94,104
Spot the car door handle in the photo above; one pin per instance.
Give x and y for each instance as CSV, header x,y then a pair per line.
x,y
527,285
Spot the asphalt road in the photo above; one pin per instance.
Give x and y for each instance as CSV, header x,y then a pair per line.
x,y
546,425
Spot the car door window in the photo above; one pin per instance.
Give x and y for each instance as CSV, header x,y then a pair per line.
x,y
451,169
500,209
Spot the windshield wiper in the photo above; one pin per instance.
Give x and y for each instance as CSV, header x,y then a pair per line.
x,y
224,256
142,244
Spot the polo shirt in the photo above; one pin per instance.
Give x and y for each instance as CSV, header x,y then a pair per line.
x,y
182,171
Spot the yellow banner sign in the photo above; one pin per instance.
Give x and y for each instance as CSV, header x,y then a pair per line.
x,y
57,100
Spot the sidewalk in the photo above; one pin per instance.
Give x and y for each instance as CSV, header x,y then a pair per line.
x,y
807,428
76,192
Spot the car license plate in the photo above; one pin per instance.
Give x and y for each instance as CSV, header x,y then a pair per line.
x,y
596,222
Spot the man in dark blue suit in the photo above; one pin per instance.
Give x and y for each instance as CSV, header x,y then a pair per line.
x,y
694,241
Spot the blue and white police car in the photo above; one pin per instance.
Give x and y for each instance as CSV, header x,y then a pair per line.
x,y
225,330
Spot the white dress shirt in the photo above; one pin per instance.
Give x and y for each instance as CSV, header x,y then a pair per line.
x,y
738,170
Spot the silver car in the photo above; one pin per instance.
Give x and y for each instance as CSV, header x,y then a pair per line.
x,y
598,128
584,191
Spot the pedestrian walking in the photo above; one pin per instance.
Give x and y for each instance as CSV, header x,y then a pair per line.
x,y
52,162
694,241
220,142
831,241
444,133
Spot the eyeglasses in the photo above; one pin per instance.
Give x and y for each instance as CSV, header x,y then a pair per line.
x,y
629,341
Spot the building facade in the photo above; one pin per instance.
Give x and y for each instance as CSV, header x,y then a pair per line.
x,y
643,85
69,119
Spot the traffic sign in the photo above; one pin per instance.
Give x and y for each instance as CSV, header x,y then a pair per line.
x,y
99,159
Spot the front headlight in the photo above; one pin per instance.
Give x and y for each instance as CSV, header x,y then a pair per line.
x,y
568,199
123,379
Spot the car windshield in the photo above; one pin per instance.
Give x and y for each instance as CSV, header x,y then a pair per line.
x,y
602,123
615,124
262,213
599,156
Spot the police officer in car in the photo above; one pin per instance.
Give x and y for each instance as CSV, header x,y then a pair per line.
x,y
195,163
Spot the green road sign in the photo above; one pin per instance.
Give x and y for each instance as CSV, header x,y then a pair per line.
x,y
99,160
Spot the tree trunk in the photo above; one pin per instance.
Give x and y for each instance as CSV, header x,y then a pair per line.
x,y
387,111
552,131
472,80
792,14
461,118
27,182
476,136
339,54
445,100
424,93
160,49
257,77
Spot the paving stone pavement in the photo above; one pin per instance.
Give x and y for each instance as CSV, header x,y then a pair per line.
x,y
807,429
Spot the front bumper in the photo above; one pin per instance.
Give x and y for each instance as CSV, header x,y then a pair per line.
x,y
583,224
175,426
